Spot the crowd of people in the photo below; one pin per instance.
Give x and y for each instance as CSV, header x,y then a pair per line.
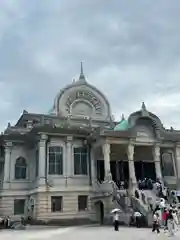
x,y
165,209
167,216
7,223
145,184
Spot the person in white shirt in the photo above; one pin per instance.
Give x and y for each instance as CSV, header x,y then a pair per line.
x,y
176,222
116,221
156,222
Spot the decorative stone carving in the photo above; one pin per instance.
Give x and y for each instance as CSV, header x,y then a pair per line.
x,y
87,96
8,145
82,99
69,138
44,137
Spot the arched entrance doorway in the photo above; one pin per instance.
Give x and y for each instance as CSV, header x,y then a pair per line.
x,y
144,163
119,164
99,206
120,171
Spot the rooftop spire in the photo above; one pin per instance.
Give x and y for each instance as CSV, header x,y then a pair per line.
x,y
144,111
143,106
82,77
82,68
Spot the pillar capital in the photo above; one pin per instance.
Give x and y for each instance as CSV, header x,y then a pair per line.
x,y
157,150
43,137
8,145
69,138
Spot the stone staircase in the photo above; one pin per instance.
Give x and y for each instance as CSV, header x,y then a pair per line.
x,y
128,203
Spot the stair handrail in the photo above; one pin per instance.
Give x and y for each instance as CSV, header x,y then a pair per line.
x,y
116,194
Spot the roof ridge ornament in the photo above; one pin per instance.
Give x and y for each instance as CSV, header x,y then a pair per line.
x,y
122,117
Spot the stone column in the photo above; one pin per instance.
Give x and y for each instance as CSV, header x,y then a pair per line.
x,y
107,170
69,160
7,162
132,175
177,155
157,162
93,166
42,159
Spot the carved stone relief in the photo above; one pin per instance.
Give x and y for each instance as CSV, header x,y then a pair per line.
x,y
81,108
81,96
82,100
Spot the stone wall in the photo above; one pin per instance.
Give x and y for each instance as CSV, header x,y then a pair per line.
x,y
70,207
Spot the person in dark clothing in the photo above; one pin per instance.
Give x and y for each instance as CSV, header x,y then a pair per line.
x,y
151,207
116,221
132,221
143,197
138,221
157,208
170,222
136,194
150,184
22,221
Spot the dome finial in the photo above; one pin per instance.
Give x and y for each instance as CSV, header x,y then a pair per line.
x,y
82,77
122,117
82,68
143,106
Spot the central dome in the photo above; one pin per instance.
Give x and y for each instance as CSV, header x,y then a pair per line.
x,y
81,100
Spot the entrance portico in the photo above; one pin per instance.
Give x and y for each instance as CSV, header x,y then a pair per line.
x,y
129,161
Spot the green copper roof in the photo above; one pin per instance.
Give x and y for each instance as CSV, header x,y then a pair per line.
x,y
122,126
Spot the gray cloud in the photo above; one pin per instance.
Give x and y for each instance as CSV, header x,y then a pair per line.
x,y
130,50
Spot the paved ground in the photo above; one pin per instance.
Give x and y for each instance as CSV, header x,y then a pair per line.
x,y
84,233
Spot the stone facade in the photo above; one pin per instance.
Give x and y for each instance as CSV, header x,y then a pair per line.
x,y
52,166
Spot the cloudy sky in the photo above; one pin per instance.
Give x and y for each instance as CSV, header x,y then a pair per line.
x,y
130,50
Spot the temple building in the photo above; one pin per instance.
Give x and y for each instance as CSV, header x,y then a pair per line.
x,y
60,165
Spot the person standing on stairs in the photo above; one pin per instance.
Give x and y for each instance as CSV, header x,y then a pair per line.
x,y
170,221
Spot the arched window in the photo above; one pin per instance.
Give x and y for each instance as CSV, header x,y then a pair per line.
x,y
20,168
